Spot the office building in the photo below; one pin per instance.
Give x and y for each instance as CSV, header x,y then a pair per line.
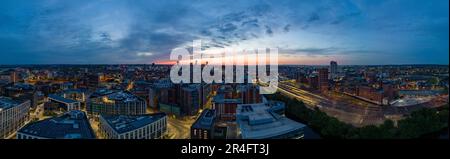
x,y
148,126
203,127
13,115
22,92
71,125
190,99
110,102
333,69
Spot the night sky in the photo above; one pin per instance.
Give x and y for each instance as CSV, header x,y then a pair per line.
x,y
145,31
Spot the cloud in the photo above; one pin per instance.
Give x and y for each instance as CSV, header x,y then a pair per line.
x,y
121,31
144,54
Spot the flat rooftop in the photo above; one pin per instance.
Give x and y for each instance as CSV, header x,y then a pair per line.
x,y
206,119
71,125
114,95
220,98
61,99
126,123
6,103
258,121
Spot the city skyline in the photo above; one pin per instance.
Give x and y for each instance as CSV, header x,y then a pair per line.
x,y
144,32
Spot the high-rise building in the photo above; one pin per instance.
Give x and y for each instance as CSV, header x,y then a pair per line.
x,y
147,126
323,79
13,115
333,69
190,99
71,125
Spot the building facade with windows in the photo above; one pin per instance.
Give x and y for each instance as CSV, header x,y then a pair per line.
x,y
71,125
148,126
111,102
203,127
13,115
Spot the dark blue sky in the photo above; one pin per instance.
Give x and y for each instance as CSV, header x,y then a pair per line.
x,y
145,31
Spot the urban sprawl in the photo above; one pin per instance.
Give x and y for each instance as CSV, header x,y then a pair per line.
x,y
141,102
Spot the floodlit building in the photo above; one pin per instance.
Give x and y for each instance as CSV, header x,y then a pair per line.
x,y
71,125
13,115
148,126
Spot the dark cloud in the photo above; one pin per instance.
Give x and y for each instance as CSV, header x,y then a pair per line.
x,y
116,31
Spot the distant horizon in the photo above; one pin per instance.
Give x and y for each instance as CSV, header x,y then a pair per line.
x,y
1,65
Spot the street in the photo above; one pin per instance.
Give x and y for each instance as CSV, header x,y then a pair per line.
x,y
179,128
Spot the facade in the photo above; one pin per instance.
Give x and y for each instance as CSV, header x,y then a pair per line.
x,y
225,107
71,125
249,93
22,92
205,94
190,99
313,82
111,102
333,69
10,76
148,126
93,81
260,121
162,91
141,89
323,79
382,96
370,94
65,103
13,115
203,127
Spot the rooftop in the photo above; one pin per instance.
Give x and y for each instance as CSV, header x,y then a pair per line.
x,y
220,98
6,103
206,119
61,99
113,95
258,121
21,86
125,123
71,125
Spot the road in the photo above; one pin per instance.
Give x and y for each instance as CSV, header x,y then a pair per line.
x,y
179,128
344,108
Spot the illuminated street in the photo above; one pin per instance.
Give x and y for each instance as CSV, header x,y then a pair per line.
x,y
346,109
179,128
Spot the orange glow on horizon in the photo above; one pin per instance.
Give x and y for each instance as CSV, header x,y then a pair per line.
x,y
282,60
